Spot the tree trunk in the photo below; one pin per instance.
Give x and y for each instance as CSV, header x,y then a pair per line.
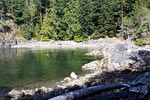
x,y
88,91
41,14
27,2
32,22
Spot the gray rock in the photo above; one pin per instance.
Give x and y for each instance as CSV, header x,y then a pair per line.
x,y
94,53
15,94
9,40
92,65
141,60
73,75
117,53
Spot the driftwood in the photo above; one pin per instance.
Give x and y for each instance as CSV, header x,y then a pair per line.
x,y
88,91
138,89
139,86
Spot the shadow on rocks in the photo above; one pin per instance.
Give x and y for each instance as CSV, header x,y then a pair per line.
x,y
105,78
141,65
4,93
141,60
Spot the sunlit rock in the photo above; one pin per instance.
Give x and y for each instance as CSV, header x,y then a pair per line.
x,y
73,75
94,53
15,94
92,65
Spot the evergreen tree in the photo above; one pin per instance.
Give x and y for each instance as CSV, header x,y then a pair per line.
x,y
4,5
1,8
72,19
45,32
78,19
32,11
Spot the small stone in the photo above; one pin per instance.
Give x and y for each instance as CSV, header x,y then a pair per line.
x,y
44,89
73,75
67,79
15,94
36,89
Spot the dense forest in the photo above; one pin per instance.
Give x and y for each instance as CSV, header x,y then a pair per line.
x,y
78,20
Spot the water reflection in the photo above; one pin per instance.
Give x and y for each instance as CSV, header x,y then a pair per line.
x,y
32,68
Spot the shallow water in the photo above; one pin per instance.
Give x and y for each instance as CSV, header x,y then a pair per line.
x,y
30,68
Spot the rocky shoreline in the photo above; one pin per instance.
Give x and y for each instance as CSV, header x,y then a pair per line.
x,y
8,40
117,55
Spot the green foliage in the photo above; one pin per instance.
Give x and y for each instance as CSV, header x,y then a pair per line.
x,y
26,13
78,19
37,31
80,39
97,35
72,18
45,29
26,31
32,8
2,8
137,21
44,39
140,42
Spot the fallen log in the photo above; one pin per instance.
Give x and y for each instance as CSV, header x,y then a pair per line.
x,y
111,96
138,89
139,86
88,91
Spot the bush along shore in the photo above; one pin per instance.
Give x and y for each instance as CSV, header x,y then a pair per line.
x,y
114,77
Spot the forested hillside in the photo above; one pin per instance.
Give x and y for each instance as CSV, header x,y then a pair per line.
x,y
79,19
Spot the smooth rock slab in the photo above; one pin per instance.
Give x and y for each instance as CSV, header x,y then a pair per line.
x,y
92,65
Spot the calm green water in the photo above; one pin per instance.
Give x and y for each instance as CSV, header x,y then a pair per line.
x,y
33,68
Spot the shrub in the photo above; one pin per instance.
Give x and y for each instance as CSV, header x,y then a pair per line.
x,y
97,35
80,39
140,42
27,31
45,39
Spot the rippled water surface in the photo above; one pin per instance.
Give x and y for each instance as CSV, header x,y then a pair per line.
x,y
30,68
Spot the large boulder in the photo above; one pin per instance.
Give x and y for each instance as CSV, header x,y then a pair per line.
x,y
115,56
